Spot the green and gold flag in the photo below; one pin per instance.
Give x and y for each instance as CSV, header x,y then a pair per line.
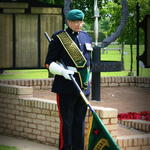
x,y
99,137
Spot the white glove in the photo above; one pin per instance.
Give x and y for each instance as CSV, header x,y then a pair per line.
x,y
66,73
58,69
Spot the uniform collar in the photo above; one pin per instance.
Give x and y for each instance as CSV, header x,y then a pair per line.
x,y
70,31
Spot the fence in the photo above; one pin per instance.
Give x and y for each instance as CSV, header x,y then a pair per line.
x,y
22,41
118,47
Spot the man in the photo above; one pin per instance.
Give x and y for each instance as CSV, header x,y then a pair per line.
x,y
73,48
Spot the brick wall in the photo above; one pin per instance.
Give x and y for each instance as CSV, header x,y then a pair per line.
x,y
37,119
105,82
22,115
125,81
141,125
134,142
35,83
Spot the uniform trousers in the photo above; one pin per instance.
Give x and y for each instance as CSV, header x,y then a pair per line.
x,y
72,112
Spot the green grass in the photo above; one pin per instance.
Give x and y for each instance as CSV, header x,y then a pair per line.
x,y
112,55
25,74
2,147
116,56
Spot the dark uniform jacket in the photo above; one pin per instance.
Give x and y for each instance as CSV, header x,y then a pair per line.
x,y
56,52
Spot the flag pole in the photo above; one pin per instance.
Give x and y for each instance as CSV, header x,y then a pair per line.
x,y
101,124
96,26
96,57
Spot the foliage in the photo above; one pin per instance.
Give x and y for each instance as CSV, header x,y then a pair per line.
x,y
87,7
110,14
114,9
101,35
53,2
47,1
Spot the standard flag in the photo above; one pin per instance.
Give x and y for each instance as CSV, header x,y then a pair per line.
x,y
99,137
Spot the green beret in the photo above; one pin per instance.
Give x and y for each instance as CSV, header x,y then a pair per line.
x,y
75,14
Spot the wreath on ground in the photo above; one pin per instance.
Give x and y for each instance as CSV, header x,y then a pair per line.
x,y
144,115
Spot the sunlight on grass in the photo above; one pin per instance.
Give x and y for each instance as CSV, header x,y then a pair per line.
x,y
25,74
111,55
108,74
116,56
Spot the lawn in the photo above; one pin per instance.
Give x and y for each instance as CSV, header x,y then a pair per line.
x,y
112,55
116,56
25,74
2,147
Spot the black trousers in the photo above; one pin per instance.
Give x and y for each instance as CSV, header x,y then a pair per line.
x,y
72,112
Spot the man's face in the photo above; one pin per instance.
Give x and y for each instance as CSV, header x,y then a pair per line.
x,y
75,25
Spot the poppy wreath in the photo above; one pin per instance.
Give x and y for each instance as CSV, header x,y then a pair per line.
x,y
144,115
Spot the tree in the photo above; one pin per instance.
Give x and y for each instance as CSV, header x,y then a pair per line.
x,y
53,2
110,14
47,1
114,9
130,33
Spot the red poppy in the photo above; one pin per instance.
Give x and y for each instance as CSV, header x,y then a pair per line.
x,y
96,131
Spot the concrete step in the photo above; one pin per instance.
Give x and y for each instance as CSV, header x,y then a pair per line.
x,y
141,125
